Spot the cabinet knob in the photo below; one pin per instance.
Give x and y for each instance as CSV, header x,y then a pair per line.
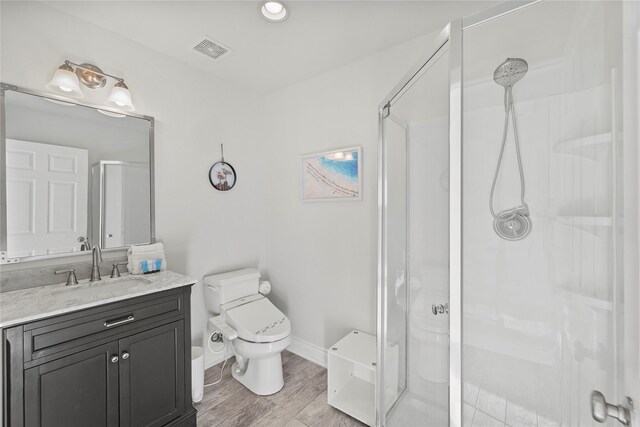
x,y
125,355
114,359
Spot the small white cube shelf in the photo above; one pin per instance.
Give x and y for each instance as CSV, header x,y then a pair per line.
x,y
351,369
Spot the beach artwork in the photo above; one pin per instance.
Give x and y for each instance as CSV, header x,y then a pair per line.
x,y
332,175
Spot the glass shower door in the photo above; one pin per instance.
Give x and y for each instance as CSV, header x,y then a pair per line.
x,y
396,266
533,238
542,307
414,293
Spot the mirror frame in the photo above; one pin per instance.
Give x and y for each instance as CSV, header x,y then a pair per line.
x,y
4,87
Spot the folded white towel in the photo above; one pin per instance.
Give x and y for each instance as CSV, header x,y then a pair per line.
x,y
134,249
146,258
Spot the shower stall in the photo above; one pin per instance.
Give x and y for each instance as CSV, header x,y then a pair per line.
x,y
502,307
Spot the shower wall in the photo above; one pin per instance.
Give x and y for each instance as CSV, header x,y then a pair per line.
x,y
539,314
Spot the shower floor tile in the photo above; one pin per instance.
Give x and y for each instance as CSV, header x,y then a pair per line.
x,y
480,419
492,404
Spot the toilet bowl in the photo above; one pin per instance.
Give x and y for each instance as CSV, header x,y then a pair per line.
x,y
258,366
263,331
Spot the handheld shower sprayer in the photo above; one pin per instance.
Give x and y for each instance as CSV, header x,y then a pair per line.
x,y
513,223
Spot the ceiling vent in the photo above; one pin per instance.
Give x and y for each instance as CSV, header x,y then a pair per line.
x,y
213,49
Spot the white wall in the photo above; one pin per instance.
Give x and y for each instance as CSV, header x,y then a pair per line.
x,y
322,256
204,231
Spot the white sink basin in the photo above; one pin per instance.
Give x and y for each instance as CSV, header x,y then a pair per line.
x,y
104,287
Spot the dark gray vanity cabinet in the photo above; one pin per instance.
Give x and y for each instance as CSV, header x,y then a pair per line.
x,y
81,389
122,364
151,372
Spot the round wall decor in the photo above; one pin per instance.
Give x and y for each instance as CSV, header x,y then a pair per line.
x,y
222,175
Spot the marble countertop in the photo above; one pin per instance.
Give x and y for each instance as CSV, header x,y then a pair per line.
x,y
26,305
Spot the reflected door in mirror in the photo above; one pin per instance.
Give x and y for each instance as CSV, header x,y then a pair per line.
x,y
46,198
124,205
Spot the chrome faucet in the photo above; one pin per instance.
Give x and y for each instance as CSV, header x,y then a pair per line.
x,y
95,268
84,244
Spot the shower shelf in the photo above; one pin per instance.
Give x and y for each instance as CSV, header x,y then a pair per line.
x,y
586,298
589,146
588,223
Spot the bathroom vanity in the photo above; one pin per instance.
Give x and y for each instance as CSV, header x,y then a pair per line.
x,y
111,353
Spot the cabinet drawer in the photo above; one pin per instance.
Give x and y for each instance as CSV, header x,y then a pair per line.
x,y
44,337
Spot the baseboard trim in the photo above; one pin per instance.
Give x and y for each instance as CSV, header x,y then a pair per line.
x,y
311,352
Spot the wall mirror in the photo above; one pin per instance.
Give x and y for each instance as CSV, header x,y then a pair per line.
x,y
73,176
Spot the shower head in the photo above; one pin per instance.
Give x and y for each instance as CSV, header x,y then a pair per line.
x,y
510,71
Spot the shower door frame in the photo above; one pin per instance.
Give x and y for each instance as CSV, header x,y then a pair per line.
x,y
450,38
452,35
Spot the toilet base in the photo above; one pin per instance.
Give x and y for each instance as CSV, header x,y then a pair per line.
x,y
262,376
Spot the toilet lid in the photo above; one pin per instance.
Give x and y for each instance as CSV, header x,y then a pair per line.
x,y
258,321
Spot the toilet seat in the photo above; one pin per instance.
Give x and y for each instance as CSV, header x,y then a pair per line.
x,y
258,321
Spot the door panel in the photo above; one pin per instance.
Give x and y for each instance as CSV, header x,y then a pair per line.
x,y
415,256
151,376
79,390
46,198
542,315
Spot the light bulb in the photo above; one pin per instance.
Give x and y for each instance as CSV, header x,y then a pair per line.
x,y
64,80
120,97
273,7
274,11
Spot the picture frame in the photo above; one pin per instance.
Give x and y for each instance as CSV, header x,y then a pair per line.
x,y
334,175
222,176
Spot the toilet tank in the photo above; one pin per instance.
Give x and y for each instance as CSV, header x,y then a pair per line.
x,y
226,287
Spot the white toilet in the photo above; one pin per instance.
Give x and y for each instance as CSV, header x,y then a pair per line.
x,y
263,331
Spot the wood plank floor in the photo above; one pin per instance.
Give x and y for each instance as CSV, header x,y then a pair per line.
x,y
302,402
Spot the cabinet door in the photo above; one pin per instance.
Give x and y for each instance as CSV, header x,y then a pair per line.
x,y
78,390
151,376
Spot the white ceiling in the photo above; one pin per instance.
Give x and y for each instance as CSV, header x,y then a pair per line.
x,y
317,37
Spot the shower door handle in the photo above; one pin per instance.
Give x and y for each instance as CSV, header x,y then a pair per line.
x,y
601,409
440,309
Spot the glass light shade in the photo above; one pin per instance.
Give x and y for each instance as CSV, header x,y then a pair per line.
x,y
274,11
65,81
120,97
273,7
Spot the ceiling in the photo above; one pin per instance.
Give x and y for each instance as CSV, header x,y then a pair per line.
x,y
318,35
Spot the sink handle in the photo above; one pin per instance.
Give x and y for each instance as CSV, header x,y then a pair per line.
x,y
71,278
115,272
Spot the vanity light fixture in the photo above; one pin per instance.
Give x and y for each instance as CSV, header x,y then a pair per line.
x,y
67,81
274,11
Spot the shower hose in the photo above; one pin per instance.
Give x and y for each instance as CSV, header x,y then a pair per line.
x,y
523,209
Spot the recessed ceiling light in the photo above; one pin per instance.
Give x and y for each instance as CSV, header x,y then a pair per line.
x,y
274,11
